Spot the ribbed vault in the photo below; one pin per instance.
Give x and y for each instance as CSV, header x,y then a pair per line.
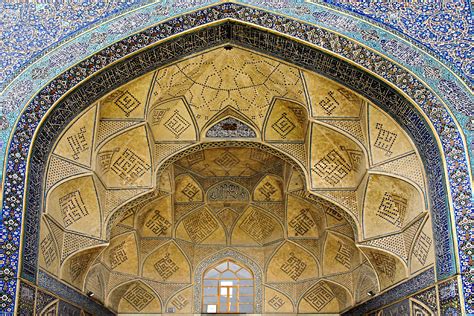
x,y
233,152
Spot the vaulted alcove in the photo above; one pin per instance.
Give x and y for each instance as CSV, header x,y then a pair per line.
x,y
230,154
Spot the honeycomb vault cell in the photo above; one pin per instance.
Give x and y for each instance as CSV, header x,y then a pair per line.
x,y
237,159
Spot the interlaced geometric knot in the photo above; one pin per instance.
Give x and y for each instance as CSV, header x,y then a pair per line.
x,y
72,208
293,266
127,103
195,157
129,166
47,248
200,225
344,255
117,255
267,190
329,103
179,302
158,224
302,222
319,296
283,126
227,161
157,115
276,302
190,191
138,297
78,143
393,209
385,139
177,124
332,167
258,225
166,267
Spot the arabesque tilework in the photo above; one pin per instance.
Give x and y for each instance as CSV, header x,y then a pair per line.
x,y
449,301
452,144
30,28
34,301
445,28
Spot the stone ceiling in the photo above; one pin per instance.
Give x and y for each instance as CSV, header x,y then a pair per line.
x,y
230,150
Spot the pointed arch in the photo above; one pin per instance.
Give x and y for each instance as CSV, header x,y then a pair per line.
x,y
220,256
444,267
230,127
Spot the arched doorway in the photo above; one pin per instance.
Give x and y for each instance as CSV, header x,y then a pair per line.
x,y
390,200
228,287
304,184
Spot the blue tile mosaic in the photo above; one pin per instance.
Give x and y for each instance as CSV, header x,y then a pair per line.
x,y
429,298
445,28
61,290
457,95
26,304
419,282
88,40
43,299
27,28
449,301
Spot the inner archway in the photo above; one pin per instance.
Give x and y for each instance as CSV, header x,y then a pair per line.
x,y
228,287
234,150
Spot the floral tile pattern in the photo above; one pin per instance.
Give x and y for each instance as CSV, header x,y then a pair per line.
x,y
444,27
27,29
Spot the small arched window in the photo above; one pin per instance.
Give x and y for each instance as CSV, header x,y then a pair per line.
x,y
228,288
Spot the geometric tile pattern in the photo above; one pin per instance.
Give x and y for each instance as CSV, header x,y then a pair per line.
x,y
90,40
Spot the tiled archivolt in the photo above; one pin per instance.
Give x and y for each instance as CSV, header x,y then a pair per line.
x,y
216,192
